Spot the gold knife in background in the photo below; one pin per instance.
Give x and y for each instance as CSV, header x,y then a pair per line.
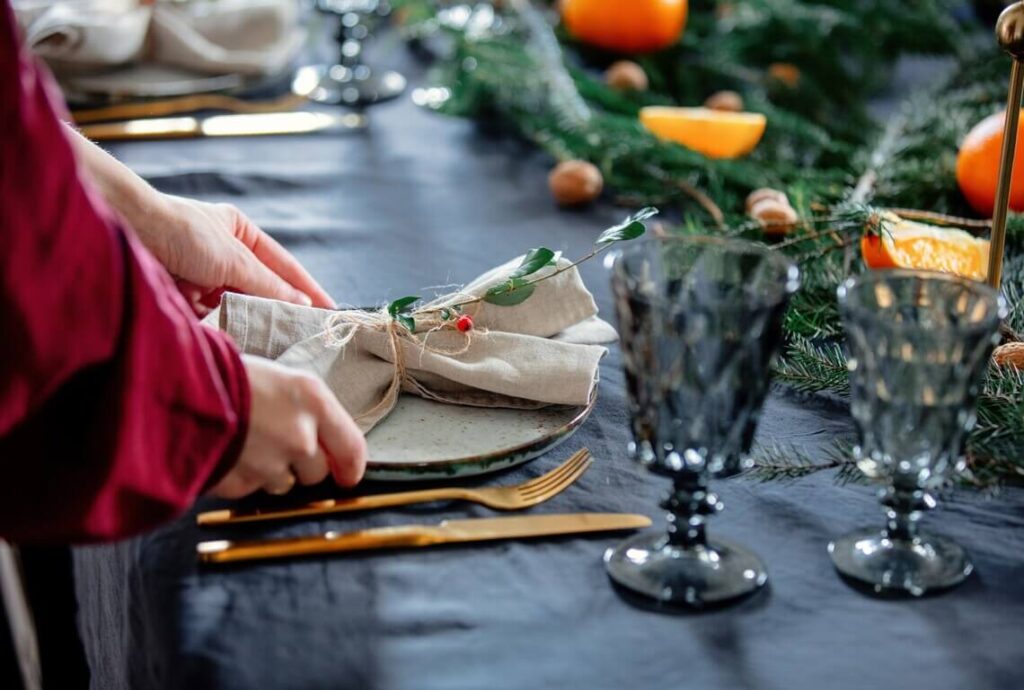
x,y
186,104
261,124
405,536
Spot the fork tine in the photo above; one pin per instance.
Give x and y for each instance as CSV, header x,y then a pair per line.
x,y
566,466
557,477
538,495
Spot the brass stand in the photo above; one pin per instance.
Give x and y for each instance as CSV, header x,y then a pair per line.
x,y
1010,32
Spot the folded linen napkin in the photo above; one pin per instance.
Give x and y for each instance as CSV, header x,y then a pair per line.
x,y
250,37
544,351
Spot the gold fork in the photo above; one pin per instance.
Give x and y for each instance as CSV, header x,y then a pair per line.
x,y
517,497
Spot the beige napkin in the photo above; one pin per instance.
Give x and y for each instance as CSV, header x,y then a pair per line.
x,y
250,37
544,351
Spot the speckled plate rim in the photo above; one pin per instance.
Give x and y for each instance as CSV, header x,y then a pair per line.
x,y
480,464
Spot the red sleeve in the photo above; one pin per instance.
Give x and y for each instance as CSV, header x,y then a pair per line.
x,y
116,407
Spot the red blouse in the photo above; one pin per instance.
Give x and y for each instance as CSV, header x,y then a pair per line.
x,y
116,407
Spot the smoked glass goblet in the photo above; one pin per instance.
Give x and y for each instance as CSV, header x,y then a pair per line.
x,y
700,320
919,346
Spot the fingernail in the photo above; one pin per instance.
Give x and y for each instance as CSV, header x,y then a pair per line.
x,y
303,299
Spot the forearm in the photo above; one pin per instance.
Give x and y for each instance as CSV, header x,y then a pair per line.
x,y
130,195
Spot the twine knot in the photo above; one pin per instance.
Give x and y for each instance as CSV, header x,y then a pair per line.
x,y
345,325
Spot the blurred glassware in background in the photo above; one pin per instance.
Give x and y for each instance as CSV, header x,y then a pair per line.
x,y
351,81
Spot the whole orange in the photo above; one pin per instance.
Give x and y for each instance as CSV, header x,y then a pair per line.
x,y
977,165
625,26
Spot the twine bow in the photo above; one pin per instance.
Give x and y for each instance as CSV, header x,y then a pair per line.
x,y
344,325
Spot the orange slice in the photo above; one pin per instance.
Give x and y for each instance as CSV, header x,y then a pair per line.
x,y
715,133
927,247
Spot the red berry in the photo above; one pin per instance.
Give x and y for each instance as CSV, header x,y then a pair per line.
x,y
464,323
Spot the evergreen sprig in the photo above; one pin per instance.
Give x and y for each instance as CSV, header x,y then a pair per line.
x,y
778,462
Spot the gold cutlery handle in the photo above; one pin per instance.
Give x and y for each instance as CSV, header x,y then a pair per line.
x,y
224,551
186,104
332,506
180,128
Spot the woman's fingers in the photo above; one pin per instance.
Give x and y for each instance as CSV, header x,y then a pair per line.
x,y
275,257
235,484
281,484
250,276
312,470
298,432
340,437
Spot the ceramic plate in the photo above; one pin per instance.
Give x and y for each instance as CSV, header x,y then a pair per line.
x,y
422,439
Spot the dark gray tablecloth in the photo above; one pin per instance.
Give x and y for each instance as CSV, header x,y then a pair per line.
x,y
420,200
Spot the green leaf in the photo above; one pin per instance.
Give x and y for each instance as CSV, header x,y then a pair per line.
x,y
401,305
407,321
534,260
446,314
629,229
509,293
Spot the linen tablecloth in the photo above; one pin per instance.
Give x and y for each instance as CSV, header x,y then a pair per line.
x,y
420,200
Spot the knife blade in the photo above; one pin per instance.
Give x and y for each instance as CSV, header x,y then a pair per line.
x,y
255,124
409,536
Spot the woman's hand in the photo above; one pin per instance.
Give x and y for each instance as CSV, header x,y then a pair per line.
x,y
208,248
213,247
297,431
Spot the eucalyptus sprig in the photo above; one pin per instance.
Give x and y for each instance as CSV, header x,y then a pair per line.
x,y
523,280
401,311
516,289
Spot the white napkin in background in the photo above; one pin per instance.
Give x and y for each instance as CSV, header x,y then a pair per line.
x,y
251,37
84,35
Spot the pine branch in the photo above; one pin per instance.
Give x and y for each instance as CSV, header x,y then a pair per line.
x,y
812,368
776,462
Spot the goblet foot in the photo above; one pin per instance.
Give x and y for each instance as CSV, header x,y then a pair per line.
x,y
925,563
695,576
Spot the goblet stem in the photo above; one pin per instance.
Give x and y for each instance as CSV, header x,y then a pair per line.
x,y
688,505
904,506
686,567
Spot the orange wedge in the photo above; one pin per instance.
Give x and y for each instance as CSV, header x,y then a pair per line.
x,y
927,247
715,133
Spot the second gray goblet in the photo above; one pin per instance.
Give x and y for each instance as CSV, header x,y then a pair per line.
x,y
919,346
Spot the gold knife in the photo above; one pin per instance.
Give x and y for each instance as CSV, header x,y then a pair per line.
x,y
405,536
261,124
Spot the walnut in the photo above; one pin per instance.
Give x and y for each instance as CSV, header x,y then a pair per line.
x,y
765,193
575,182
625,75
729,101
776,218
785,72
1009,355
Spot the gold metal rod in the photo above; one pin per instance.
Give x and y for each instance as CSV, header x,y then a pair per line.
x,y
1010,35
1013,104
